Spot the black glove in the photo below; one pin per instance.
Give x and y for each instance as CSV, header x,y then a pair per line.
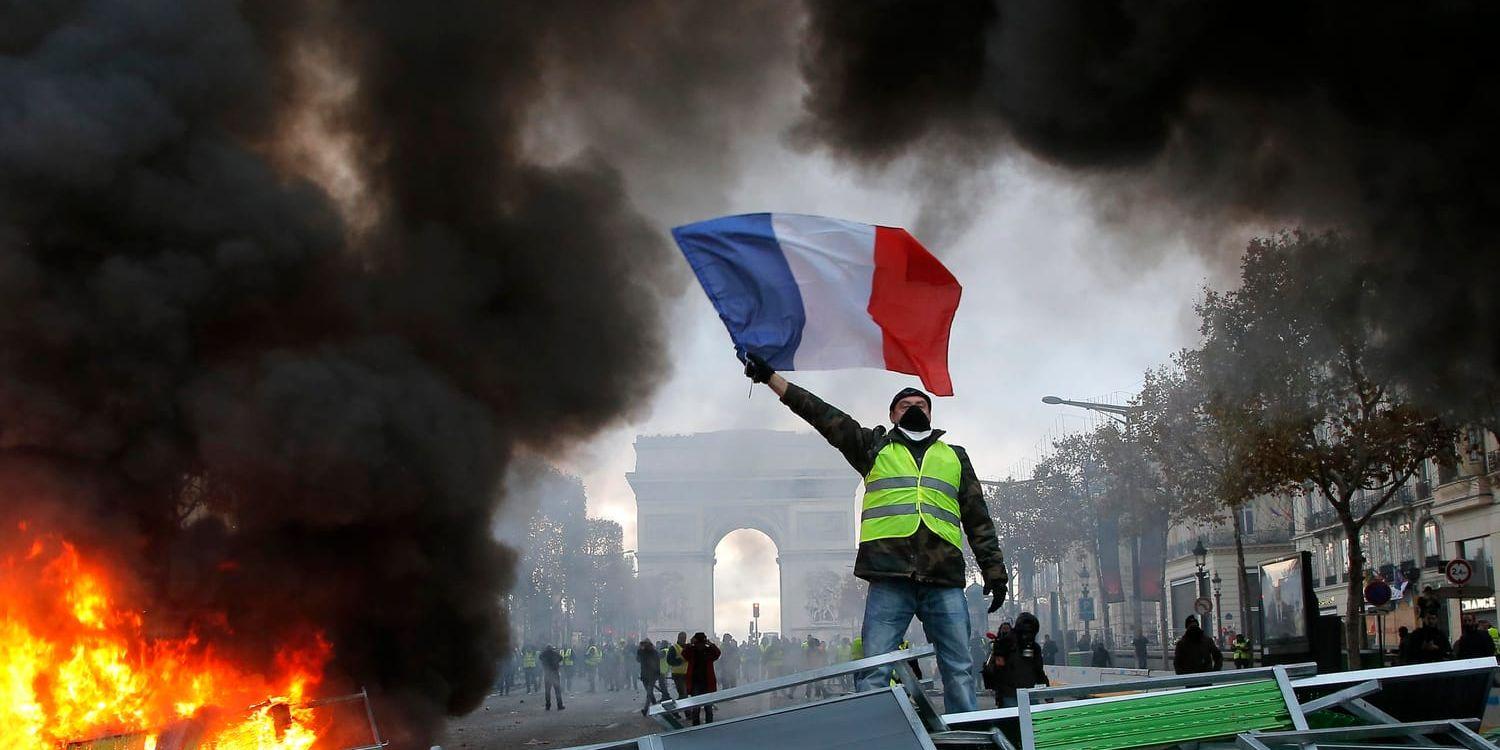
x,y
756,369
998,590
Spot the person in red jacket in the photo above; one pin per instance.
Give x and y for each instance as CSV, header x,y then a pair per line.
x,y
700,654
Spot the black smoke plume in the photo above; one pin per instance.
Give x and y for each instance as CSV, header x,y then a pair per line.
x,y
283,401
1377,119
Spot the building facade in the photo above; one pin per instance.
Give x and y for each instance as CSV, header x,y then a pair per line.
x,y
1267,527
1443,513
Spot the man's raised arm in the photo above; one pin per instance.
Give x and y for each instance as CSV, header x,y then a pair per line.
x,y
839,429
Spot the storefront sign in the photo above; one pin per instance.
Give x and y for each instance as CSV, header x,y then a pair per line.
x,y
1466,605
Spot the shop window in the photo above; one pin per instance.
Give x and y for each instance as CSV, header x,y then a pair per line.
x,y
1432,543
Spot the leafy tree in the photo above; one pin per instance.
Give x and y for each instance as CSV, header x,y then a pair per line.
x,y
1293,349
574,575
1202,439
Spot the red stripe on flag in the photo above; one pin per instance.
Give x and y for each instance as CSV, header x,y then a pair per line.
x,y
913,300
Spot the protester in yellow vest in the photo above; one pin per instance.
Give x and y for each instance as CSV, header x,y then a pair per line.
x,y
529,666
922,500
591,658
567,668
678,664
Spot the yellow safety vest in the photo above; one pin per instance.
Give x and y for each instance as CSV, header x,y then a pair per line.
x,y
678,668
857,648
528,660
899,495
772,653
592,656
567,657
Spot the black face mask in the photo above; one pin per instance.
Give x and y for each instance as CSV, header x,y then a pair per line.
x,y
915,419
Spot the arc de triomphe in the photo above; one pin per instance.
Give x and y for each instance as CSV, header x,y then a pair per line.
x,y
691,490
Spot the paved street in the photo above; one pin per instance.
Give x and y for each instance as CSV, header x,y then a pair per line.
x,y
518,720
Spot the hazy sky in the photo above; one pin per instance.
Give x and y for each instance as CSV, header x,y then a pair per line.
x,y
1059,297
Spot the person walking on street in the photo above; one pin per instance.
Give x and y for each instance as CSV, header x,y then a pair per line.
x,y
1139,644
770,657
791,656
814,655
1196,651
1472,642
1101,657
750,660
592,656
551,680
649,661
729,661
1242,657
1015,661
528,667
628,669
1428,643
567,668
1049,650
610,666
922,498
700,654
678,665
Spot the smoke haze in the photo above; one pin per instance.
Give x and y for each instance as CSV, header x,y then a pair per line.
x,y
1374,120
287,389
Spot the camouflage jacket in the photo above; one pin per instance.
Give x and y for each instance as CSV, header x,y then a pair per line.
x,y
924,556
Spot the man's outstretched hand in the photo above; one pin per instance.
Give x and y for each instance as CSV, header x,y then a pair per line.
x,y
757,370
999,591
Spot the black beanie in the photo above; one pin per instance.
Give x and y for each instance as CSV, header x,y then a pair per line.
x,y
904,392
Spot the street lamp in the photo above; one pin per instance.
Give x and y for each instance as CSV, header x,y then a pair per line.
x,y
1200,558
1119,413
1084,573
1219,603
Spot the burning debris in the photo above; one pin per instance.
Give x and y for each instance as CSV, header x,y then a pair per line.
x,y
81,663
271,418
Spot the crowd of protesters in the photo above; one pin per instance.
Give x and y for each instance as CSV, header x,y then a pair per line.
x,y
688,666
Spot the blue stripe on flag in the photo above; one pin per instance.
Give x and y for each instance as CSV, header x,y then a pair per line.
x,y
742,268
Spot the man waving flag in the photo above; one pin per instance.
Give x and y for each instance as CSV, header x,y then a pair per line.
x,y
812,293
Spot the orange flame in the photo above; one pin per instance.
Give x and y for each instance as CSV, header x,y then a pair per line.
x,y
76,665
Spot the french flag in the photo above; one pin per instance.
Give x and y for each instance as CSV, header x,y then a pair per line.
x,y
813,293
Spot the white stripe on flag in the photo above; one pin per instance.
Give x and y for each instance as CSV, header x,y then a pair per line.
x,y
833,262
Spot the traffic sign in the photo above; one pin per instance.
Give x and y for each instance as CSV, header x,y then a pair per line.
x,y
1459,571
1203,606
1377,592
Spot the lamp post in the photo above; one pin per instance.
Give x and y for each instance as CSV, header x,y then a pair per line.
x,y
1084,573
1219,603
1200,558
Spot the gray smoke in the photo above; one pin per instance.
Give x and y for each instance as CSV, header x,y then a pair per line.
x,y
1374,119
208,373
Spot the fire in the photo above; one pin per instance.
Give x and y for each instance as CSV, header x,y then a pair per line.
x,y
77,664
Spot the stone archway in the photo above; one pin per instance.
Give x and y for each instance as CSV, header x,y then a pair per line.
x,y
692,490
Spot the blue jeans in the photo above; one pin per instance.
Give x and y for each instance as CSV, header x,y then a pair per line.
x,y
945,619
